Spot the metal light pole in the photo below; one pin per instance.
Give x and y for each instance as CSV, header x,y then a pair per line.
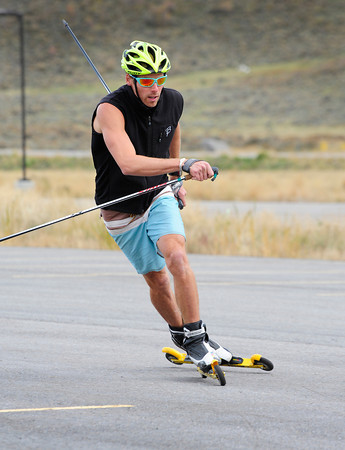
x,y
19,16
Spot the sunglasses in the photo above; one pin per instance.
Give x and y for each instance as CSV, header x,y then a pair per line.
x,y
149,82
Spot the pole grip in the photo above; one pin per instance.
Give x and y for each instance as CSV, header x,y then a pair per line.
x,y
215,174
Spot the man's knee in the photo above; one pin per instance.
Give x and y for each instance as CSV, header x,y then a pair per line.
x,y
173,249
176,259
158,280
177,262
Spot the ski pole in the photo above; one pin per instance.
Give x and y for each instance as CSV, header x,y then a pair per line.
x,y
105,205
86,56
93,208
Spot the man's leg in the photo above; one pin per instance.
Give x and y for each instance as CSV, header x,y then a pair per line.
x,y
197,343
185,302
162,297
165,229
172,247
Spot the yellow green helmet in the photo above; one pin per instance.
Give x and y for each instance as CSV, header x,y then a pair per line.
x,y
144,58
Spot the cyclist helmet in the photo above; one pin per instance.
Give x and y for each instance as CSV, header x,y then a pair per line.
x,y
144,58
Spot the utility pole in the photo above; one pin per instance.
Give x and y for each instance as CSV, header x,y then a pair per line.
x,y
19,16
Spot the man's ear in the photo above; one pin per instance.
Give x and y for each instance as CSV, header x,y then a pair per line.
x,y
128,79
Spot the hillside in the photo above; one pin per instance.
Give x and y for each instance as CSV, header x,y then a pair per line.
x,y
267,73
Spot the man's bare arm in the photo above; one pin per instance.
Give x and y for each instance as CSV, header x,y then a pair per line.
x,y
110,122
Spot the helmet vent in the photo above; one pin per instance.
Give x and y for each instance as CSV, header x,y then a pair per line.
x,y
162,64
132,55
132,68
151,53
147,66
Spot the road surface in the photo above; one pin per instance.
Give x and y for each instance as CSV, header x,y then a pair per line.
x,y
82,367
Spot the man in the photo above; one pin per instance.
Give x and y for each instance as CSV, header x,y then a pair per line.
x,y
135,144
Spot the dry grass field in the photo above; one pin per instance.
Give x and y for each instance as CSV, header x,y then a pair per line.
x,y
58,193
292,185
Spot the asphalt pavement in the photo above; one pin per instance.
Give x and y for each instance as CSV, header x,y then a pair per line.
x,y
82,367
286,211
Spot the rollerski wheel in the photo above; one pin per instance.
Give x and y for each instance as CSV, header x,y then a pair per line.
x,y
262,363
219,374
213,371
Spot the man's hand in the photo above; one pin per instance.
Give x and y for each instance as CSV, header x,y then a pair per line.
x,y
182,197
180,193
199,170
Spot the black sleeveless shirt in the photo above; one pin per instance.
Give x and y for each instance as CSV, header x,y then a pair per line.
x,y
151,131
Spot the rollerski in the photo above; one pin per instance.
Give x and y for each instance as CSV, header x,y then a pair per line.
x,y
254,362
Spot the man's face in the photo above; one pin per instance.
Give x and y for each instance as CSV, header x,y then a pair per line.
x,y
148,95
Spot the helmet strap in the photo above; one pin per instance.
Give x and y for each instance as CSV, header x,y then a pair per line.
x,y
136,89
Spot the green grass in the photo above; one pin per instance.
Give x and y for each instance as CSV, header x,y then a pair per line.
x,y
263,161
266,162
14,162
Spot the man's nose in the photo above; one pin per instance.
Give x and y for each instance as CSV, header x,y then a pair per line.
x,y
155,86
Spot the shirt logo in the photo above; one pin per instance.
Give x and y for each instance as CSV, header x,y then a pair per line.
x,y
167,131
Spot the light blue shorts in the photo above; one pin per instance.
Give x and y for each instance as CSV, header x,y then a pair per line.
x,y
140,243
